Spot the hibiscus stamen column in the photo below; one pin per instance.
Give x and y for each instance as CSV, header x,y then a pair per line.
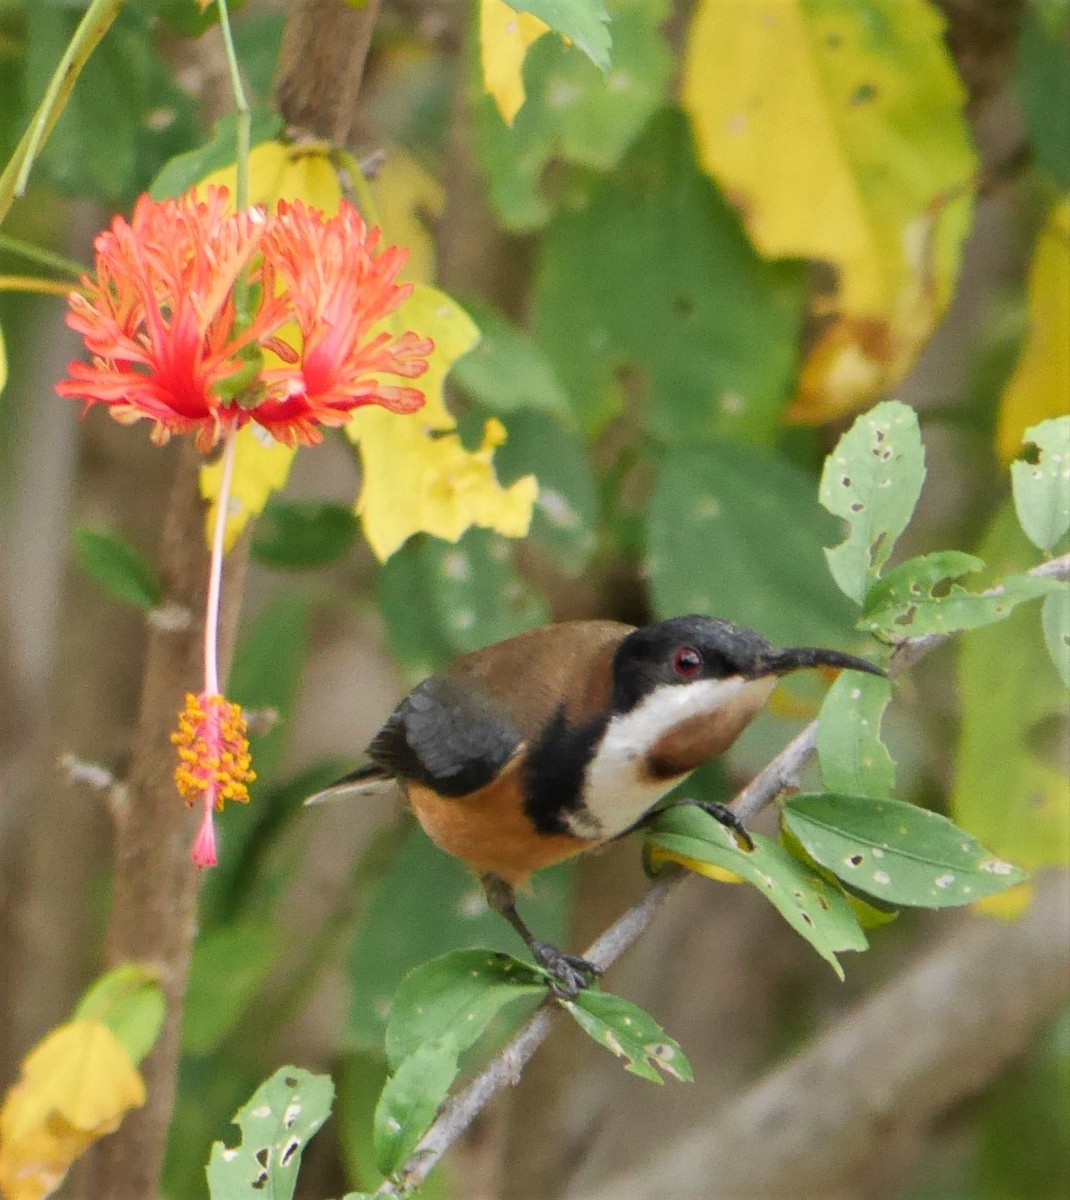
x,y
214,763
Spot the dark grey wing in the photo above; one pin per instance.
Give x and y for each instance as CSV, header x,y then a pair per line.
x,y
447,735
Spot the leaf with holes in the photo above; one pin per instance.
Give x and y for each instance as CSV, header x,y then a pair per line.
x,y
898,852
117,566
849,748
276,1125
411,1098
456,995
905,602
1041,482
872,479
630,1033
810,905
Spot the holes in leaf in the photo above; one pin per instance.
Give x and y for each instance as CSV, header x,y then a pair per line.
x,y
263,1156
854,860
290,1081
1030,453
288,1152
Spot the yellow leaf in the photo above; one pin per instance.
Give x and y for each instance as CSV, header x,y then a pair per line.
x,y
1008,905
77,1084
404,195
504,38
417,476
286,170
1040,385
3,362
837,130
658,856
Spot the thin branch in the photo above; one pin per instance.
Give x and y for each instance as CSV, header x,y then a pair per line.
x,y
762,790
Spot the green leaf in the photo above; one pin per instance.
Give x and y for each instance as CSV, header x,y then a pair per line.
x,y
180,173
276,1125
584,22
475,594
1010,787
810,905
736,531
896,851
653,304
123,120
573,115
566,513
441,599
425,905
849,748
1056,619
410,1100
456,996
630,1033
1043,80
130,1001
872,479
117,566
229,967
360,1081
303,533
904,604
506,371
1041,481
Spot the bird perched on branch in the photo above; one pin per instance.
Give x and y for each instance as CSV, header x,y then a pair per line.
x,y
555,741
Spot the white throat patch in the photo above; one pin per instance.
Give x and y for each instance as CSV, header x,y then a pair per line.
x,y
618,791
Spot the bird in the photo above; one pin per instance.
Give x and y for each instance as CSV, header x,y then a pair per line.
x,y
562,738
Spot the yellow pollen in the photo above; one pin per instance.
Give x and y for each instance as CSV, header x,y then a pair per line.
x,y
213,751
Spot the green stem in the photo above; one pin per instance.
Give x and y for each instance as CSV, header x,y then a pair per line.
x,y
361,187
93,26
241,107
45,258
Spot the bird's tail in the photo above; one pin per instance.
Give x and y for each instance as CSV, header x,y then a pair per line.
x,y
364,783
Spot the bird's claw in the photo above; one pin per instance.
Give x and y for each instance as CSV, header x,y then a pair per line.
x,y
568,973
728,817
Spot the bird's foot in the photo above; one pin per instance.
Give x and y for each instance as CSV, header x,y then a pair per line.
x,y
727,817
569,974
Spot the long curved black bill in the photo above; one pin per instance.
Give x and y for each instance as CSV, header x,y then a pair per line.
x,y
798,658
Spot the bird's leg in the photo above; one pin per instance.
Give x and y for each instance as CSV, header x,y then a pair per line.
x,y
721,813
569,974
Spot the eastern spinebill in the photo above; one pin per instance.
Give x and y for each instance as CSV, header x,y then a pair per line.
x,y
555,741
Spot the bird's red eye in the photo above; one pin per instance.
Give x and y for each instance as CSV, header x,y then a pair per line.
x,y
687,662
